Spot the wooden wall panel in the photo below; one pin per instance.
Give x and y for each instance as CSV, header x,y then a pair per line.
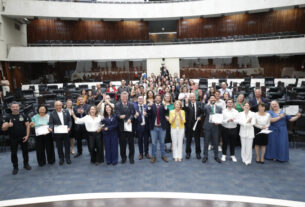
x,y
243,24
42,29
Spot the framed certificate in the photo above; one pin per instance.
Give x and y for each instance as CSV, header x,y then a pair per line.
x,y
42,130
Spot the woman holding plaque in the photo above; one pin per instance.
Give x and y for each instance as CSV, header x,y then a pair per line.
x,y
43,139
246,120
278,143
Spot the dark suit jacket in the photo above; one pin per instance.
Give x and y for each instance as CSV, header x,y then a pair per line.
x,y
139,119
54,119
190,119
207,111
152,115
128,111
254,104
86,109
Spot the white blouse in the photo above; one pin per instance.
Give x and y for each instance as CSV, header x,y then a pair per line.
x,y
262,120
246,129
91,124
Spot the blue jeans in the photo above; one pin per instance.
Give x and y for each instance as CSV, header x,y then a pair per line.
x,y
158,133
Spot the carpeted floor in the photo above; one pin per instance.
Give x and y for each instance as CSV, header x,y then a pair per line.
x,y
271,180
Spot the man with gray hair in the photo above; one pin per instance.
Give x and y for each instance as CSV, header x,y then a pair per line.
x,y
224,89
60,123
257,99
125,112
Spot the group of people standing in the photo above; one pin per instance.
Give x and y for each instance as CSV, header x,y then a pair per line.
x,y
160,110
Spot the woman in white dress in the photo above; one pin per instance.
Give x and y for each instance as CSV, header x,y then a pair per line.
x,y
246,120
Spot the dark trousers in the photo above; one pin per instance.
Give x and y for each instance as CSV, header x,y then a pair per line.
x,y
96,147
228,137
126,137
80,134
189,136
14,148
44,145
212,135
63,140
111,146
142,139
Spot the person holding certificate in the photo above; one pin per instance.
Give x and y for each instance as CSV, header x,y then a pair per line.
x,y
93,126
246,120
177,121
193,111
110,132
278,143
262,122
211,130
43,139
229,133
125,112
60,123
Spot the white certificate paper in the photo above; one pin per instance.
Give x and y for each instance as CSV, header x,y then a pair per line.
x,y
42,130
216,118
195,125
127,126
291,110
265,131
61,129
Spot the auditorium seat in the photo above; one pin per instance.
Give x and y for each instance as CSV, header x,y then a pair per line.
x,y
300,127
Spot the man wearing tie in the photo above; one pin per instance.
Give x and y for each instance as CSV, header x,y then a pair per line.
x,y
142,127
211,131
193,110
156,113
58,118
80,130
125,112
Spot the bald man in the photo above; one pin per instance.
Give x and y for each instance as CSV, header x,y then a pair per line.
x,y
58,118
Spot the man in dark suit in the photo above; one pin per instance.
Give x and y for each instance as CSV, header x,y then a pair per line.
x,y
142,127
193,111
211,130
125,112
80,130
156,114
257,99
61,117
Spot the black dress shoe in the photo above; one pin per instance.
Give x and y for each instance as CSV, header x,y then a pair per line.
x,y
15,171
61,162
188,155
68,161
77,155
198,156
204,160
217,159
131,161
123,160
27,167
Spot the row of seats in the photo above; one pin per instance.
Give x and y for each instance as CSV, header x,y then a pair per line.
x,y
273,35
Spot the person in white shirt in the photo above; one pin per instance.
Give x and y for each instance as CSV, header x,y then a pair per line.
x,y
101,105
229,133
246,120
93,126
184,93
262,121
224,89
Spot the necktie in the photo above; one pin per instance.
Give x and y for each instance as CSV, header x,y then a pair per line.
x,y
158,118
213,112
142,114
194,110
